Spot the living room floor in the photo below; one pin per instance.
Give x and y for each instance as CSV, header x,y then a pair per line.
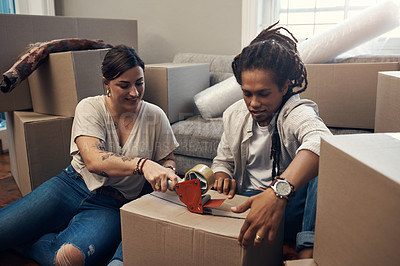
x,y
9,193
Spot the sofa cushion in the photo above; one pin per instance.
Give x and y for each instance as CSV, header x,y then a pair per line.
x,y
198,137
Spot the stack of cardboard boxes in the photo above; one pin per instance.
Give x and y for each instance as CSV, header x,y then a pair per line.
x,y
42,137
39,113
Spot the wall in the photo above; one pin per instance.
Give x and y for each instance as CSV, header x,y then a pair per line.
x,y
166,27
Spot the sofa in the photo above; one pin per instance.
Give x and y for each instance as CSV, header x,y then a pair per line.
x,y
199,137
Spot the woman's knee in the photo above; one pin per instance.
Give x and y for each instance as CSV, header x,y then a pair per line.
x,y
69,255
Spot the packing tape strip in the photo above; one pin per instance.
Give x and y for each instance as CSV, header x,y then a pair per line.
x,y
204,174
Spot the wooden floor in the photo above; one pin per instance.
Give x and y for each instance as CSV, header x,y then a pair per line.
x,y
9,193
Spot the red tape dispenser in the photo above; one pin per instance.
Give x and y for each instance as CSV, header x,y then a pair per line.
x,y
193,188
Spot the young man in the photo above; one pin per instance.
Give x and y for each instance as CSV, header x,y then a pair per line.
x,y
270,146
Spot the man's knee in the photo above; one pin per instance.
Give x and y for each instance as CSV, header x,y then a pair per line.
x,y
69,255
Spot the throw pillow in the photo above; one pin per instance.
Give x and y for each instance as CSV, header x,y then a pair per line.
x,y
213,101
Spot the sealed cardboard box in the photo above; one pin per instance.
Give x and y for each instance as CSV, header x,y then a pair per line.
x,y
157,230
18,31
64,79
387,116
40,148
358,211
345,93
172,87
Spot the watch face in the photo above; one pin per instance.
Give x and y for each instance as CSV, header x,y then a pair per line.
x,y
283,188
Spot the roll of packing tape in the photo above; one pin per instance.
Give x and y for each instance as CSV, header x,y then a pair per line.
x,y
204,174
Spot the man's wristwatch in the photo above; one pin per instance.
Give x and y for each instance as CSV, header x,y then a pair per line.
x,y
282,188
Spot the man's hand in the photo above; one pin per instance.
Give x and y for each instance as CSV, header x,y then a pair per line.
x,y
224,184
263,220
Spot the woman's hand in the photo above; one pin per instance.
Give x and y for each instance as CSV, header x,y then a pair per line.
x,y
158,176
224,184
263,220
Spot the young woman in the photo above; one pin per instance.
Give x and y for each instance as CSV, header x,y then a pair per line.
x,y
270,146
119,142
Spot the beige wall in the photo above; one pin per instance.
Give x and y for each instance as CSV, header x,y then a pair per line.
x,y
166,27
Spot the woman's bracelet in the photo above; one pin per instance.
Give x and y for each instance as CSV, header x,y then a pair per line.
x,y
141,167
137,170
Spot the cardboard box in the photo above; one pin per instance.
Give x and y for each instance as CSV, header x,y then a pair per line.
x,y
3,140
158,230
40,147
17,31
303,262
64,79
11,144
387,116
345,93
358,211
172,87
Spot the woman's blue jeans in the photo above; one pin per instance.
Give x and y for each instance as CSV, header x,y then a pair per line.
x,y
62,211
299,215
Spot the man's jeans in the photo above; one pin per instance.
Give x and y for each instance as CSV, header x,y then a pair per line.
x,y
299,215
62,211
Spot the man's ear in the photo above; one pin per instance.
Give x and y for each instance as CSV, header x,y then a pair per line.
x,y
285,87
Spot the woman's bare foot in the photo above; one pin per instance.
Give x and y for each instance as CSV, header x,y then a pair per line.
x,y
306,253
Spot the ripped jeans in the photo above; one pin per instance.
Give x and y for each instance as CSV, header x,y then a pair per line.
x,y
62,211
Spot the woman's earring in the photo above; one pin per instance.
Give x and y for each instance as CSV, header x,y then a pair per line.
x,y
108,93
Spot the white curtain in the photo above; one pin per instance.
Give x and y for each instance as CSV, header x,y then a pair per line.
x,y
35,7
268,13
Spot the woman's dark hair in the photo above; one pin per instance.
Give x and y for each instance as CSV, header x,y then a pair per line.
x,y
277,53
119,59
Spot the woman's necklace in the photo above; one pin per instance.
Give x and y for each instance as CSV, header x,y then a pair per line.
x,y
130,116
126,126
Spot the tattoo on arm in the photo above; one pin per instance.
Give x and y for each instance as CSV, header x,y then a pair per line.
x,y
125,159
101,145
102,149
105,155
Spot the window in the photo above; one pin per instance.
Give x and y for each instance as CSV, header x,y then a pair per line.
x,y
7,7
307,18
